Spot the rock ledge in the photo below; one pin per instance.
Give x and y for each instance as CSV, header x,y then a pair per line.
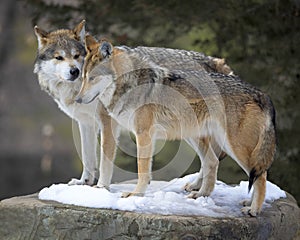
x,y
27,217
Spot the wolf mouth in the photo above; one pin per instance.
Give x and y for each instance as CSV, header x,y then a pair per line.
x,y
80,100
93,98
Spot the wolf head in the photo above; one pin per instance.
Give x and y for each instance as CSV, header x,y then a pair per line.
x,y
60,53
99,68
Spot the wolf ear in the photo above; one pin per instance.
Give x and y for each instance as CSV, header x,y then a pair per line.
x,y
41,36
79,31
105,49
90,43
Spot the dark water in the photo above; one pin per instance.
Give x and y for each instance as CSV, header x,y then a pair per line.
x,y
24,174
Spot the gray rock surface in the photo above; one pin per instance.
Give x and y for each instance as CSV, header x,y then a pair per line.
x,y
27,217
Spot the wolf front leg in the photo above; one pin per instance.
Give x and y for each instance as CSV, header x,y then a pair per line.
x,y
144,140
109,137
144,152
88,137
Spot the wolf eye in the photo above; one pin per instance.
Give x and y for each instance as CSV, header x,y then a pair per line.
x,y
59,58
76,56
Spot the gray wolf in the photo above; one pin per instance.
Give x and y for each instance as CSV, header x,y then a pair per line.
x,y
58,66
207,109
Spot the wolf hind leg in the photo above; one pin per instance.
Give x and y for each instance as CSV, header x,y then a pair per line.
x,y
258,196
263,156
201,149
197,183
208,173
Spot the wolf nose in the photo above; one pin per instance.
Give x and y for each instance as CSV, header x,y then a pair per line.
x,y
74,73
78,100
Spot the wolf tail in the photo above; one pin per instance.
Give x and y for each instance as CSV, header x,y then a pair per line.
x,y
264,152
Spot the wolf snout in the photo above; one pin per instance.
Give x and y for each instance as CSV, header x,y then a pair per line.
x,y
74,73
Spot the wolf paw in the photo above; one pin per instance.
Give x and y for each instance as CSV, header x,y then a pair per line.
x,y
99,185
248,211
189,187
245,202
130,194
194,195
75,181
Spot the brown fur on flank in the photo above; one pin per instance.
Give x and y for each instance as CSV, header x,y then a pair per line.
x,y
209,109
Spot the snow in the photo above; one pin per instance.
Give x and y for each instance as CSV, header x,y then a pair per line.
x,y
162,197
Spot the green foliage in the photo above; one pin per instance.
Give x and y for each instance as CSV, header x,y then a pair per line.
x,y
259,38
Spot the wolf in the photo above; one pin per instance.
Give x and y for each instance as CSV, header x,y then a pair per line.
x,y
204,108
58,66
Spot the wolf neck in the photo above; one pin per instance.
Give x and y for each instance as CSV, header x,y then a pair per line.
x,y
133,79
62,91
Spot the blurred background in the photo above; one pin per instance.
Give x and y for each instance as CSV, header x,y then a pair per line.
x,y
260,40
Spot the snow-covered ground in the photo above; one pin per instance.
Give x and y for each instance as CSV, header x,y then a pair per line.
x,y
161,198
